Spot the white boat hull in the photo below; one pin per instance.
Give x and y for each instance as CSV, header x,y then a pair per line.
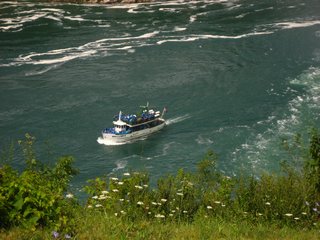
x,y
124,138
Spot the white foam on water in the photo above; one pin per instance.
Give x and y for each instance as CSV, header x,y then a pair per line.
x,y
203,140
123,6
53,18
264,150
64,58
57,10
89,49
43,70
120,164
75,18
177,119
179,29
172,10
193,18
192,38
18,21
300,24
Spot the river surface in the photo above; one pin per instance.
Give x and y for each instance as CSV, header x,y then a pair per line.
x,y
236,77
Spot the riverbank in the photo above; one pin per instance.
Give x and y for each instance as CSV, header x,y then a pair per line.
x,y
38,204
99,226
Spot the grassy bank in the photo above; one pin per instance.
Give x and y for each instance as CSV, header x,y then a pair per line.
x,y
101,227
205,204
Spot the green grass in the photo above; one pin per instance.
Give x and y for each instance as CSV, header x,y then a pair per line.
x,y
97,226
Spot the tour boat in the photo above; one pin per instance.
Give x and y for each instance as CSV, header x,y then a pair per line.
x,y
134,126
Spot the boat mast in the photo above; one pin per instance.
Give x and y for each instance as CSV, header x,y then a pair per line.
x,y
163,112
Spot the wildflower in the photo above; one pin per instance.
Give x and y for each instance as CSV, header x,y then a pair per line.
x,y
138,187
307,203
98,205
171,215
209,207
120,183
67,236
317,204
115,190
296,218
173,211
55,234
177,208
116,214
154,203
140,203
289,214
95,197
104,192
185,211
179,193
145,185
304,213
260,214
267,203
217,202
89,206
163,200
102,197
149,213
147,208
245,212
159,216
159,204
114,179
69,195
126,174
315,209
121,199
122,212
223,205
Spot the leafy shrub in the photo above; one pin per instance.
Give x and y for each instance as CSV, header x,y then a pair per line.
x,y
35,197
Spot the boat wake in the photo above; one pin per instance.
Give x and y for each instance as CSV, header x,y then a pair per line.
x,y
106,142
177,119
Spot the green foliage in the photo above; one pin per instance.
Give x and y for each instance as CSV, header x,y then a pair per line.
x,y
35,197
288,198
312,167
124,207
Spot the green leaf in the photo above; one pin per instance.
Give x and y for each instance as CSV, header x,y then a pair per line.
x,y
18,204
34,220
